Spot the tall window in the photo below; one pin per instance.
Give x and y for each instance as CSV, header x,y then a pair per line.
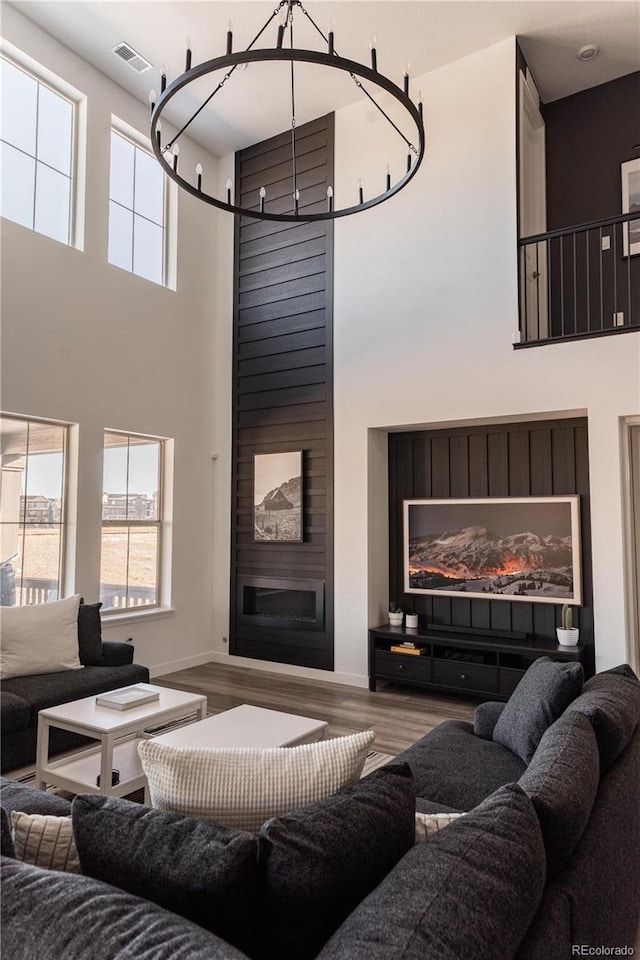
x,y
131,521
136,210
32,486
36,154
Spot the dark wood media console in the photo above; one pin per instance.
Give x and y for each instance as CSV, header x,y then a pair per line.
x,y
481,663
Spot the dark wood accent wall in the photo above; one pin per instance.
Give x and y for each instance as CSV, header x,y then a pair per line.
x,y
545,458
283,379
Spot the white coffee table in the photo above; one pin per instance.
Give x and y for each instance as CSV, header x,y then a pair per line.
x,y
247,726
118,733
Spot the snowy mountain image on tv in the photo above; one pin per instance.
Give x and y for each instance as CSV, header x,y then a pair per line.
x,y
520,549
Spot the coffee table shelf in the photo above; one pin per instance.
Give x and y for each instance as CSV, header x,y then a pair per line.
x,y
118,733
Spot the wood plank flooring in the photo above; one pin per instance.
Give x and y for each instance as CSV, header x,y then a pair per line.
x,y
400,715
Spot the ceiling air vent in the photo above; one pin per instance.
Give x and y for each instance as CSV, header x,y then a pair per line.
x,y
132,57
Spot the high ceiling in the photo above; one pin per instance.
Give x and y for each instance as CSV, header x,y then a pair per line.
x,y
426,33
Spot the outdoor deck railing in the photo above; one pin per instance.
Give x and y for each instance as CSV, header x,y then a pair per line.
x,y
114,596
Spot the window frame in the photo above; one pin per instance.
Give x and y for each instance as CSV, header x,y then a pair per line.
x,y
64,547
159,524
140,142
77,100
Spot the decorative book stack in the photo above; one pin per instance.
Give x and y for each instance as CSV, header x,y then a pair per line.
x,y
407,647
126,698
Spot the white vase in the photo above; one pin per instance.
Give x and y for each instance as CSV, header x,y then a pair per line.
x,y
411,621
395,619
567,638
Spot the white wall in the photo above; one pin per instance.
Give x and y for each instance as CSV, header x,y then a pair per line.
x,y
425,309
88,343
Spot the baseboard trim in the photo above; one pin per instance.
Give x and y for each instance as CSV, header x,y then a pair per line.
x,y
288,669
159,669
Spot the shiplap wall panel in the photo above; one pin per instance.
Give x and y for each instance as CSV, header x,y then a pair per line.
x,y
549,458
283,378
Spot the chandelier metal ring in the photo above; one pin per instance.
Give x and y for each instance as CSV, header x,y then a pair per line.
x,y
330,60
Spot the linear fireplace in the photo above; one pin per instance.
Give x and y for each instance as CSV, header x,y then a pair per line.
x,y
285,604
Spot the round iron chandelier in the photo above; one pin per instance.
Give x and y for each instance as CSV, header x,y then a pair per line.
x,y
364,77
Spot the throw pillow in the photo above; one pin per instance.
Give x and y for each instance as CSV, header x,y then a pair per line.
x,y
203,872
562,782
50,916
428,824
45,841
543,694
39,638
90,635
241,787
470,893
317,863
611,701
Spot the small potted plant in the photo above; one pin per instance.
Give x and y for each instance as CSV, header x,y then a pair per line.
x,y
567,633
395,615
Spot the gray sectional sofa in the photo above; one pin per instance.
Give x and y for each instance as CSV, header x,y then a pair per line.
x,y
106,666
544,859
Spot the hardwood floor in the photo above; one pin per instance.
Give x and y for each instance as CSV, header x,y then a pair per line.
x,y
399,715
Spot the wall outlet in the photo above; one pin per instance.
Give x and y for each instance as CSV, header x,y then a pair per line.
x,y
129,640
618,319
606,243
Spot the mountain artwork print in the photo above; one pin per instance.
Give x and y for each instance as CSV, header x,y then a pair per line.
x,y
521,548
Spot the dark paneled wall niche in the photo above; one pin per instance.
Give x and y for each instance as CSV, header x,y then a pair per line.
x,y
506,460
283,389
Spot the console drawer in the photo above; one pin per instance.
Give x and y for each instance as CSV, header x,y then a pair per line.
x,y
402,666
466,676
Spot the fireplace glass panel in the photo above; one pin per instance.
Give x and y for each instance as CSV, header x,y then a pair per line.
x,y
280,604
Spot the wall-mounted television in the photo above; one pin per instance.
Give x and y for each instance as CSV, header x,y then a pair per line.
x,y
517,548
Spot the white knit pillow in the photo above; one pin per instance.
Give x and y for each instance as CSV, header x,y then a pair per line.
x,y
39,638
429,823
242,787
45,841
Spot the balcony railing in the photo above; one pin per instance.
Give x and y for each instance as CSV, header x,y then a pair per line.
x,y
582,281
114,596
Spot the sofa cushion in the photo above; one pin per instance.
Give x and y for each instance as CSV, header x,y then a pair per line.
x,y
14,712
453,768
562,782
45,841
543,694
49,915
48,690
204,872
90,635
611,701
470,893
317,863
485,718
244,786
7,848
39,638
18,796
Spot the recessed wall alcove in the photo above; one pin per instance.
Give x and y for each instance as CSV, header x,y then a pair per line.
x,y
517,457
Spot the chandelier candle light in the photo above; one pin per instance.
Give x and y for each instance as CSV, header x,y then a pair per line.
x,y
285,51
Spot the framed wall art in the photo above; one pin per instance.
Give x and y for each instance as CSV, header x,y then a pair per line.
x,y
517,548
630,175
277,497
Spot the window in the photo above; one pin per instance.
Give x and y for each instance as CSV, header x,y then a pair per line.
x,y
137,212
131,521
36,154
32,510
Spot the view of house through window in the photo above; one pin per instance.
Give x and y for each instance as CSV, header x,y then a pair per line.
x,y
36,154
136,210
131,521
32,484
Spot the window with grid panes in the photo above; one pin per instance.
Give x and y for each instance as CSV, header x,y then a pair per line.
x,y
137,212
36,153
